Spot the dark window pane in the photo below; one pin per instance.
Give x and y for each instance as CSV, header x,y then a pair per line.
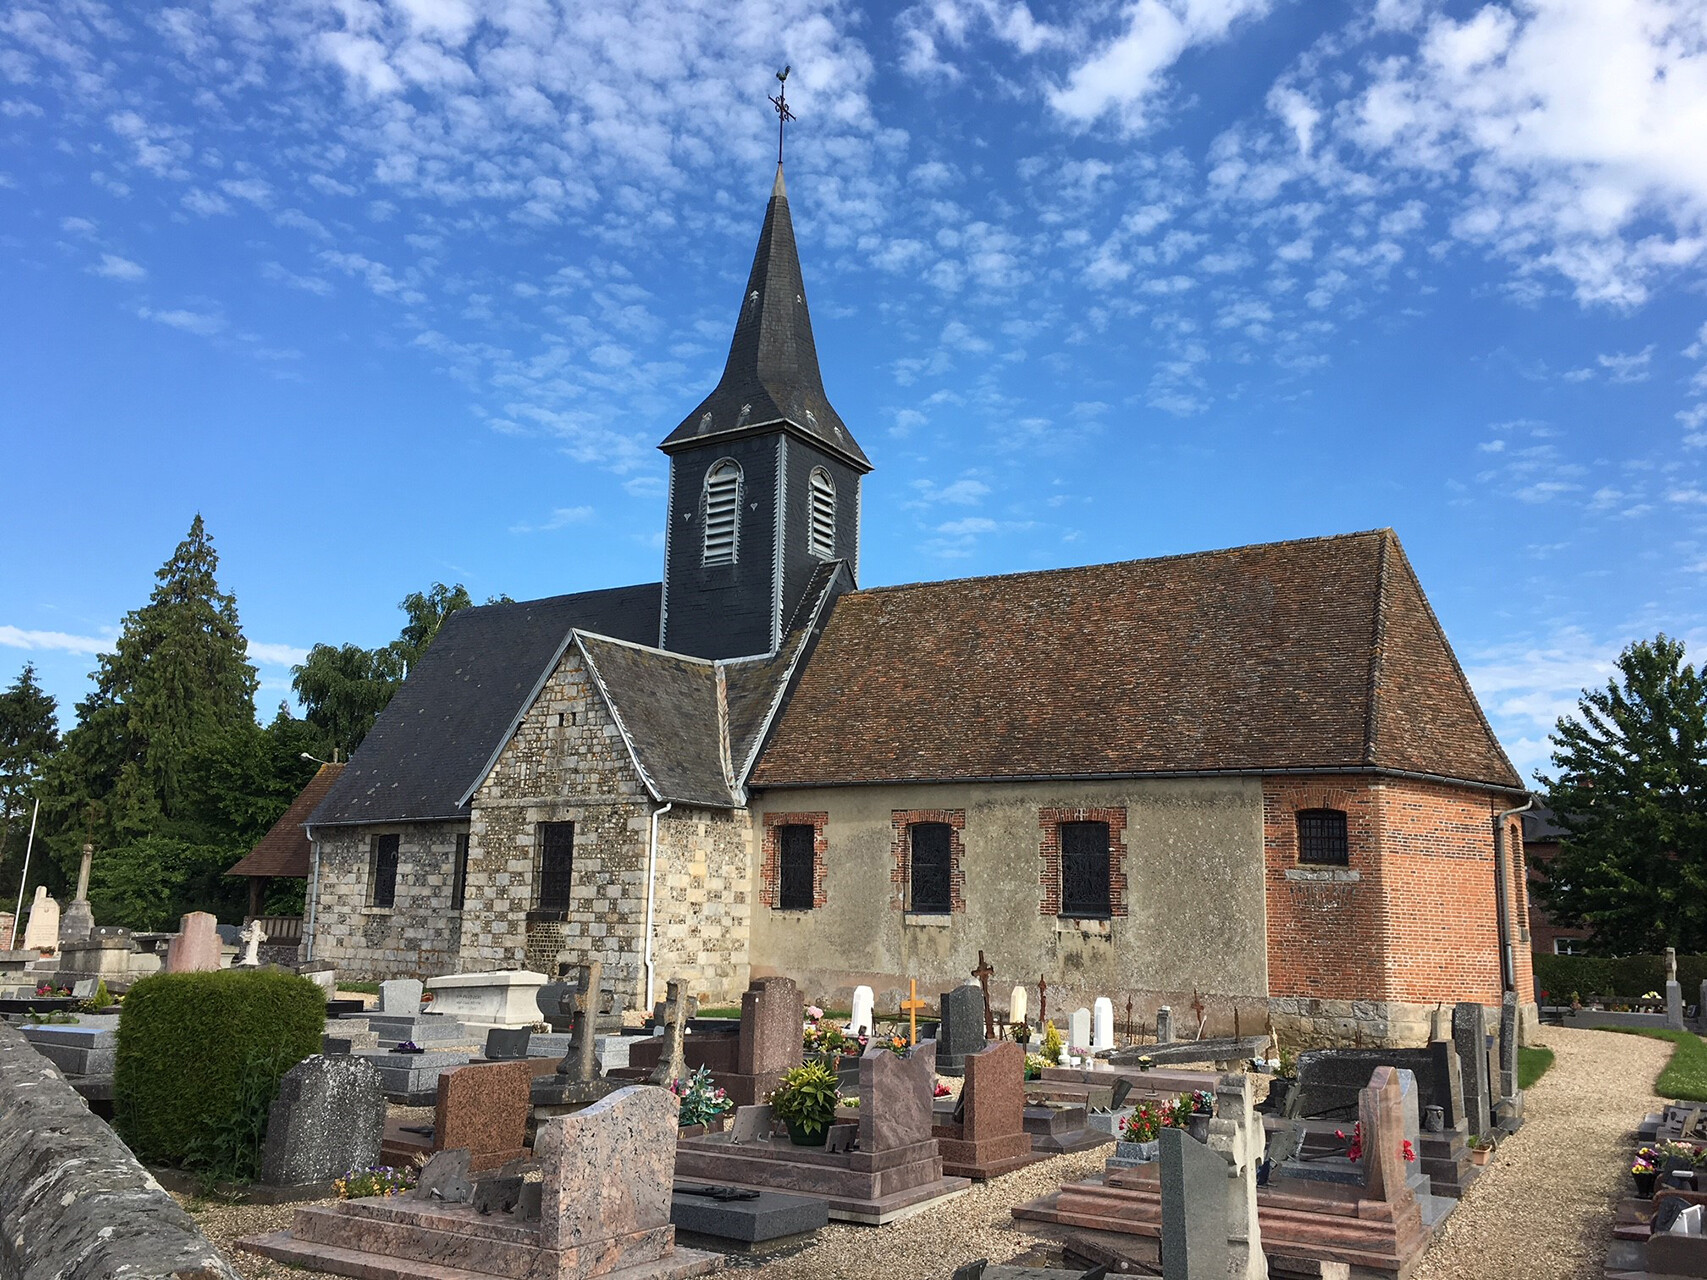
x,y
796,844
1084,869
930,869
459,873
556,856
385,870
1322,838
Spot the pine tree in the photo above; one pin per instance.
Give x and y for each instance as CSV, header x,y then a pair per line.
x,y
29,735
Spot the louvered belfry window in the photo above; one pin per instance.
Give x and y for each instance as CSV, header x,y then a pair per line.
x,y
821,535
722,512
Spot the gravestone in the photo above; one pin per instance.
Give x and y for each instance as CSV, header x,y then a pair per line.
x,y
494,998
1383,1121
864,1005
1674,993
327,1120
1164,1025
79,919
445,1178
42,931
1508,1112
253,936
961,1030
984,1136
576,1080
1330,1080
400,997
1236,1135
772,1013
1195,1211
323,975
1017,1004
752,1124
1079,1030
508,1044
1470,1040
484,1108
83,989
672,1065
1102,1024
196,947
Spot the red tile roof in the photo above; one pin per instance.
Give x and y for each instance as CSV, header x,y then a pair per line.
x,y
285,849
1314,654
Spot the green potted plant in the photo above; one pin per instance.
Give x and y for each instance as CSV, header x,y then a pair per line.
x,y
1052,1045
805,1100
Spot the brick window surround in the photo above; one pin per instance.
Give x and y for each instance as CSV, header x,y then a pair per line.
x,y
901,850
770,868
1049,850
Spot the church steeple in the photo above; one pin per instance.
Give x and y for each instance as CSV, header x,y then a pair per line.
x,y
771,379
764,474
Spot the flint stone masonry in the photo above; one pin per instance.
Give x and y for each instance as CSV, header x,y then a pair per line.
x,y
73,1200
418,933
326,1121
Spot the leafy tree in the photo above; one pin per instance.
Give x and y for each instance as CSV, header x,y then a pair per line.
x,y
1631,794
29,735
427,613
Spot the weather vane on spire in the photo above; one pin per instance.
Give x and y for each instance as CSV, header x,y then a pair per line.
x,y
783,114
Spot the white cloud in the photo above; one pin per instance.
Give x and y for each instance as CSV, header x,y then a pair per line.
x,y
202,323
18,638
113,267
1627,368
560,518
276,655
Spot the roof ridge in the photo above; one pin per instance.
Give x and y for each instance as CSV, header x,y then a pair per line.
x,y
1377,651
1112,564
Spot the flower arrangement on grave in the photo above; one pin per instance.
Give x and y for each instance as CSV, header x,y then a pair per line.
x,y
942,1090
1034,1064
409,1046
1645,1169
805,1100
47,989
896,1044
814,1013
1354,1145
375,1180
1147,1121
1052,1045
701,1101
1286,1065
823,1038
1202,1102
1684,1152
1020,1033
1146,1063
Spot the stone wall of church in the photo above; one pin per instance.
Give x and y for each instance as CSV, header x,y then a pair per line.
x,y
704,902
1189,855
418,935
566,762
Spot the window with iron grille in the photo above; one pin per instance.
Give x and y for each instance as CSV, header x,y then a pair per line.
x,y
797,858
821,532
556,860
930,867
1322,838
383,892
722,513
459,873
1084,870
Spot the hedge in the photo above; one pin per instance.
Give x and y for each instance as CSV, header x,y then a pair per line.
x,y
199,1060
1628,976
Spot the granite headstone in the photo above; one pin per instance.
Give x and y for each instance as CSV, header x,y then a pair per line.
x,y
1470,1039
327,1120
196,949
1195,1191
962,1028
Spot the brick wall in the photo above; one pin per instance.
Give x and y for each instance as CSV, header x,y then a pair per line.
x,y
901,851
1049,850
770,862
419,935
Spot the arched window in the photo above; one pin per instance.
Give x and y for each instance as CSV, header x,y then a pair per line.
x,y
722,512
821,529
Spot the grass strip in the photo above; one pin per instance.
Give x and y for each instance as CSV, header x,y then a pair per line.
x,y
1532,1064
1685,1076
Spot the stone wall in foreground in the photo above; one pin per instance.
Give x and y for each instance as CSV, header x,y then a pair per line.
x,y
74,1202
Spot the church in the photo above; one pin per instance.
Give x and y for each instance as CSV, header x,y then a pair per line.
x,y
1253,784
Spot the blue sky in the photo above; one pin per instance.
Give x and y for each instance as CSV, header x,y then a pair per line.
x,y
409,291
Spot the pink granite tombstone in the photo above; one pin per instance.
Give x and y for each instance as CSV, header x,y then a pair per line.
x,y
195,949
990,1138
484,1108
1381,1112
772,1012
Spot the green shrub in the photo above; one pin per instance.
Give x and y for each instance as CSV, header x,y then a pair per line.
x,y
1628,976
199,1061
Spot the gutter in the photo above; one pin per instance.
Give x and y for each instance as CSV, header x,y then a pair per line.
x,y
651,892
1502,904
313,893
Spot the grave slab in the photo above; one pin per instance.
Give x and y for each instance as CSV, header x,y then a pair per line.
x,y
502,998
412,1079
764,1224
76,1051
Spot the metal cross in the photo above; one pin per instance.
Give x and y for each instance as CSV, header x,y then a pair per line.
x,y
984,973
1042,1000
780,102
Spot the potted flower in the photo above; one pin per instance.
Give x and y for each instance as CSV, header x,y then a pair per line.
x,y
1052,1045
1285,1080
1645,1170
1481,1149
1034,1065
805,1100
1199,1107
702,1103
1141,1132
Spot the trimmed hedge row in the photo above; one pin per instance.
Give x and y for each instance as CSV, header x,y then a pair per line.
x,y
1628,976
199,1060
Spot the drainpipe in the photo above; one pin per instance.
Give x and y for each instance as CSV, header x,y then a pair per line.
x,y
651,892
1508,960
313,895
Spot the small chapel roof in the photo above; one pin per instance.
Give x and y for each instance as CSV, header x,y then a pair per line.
x,y
1315,654
771,376
436,739
285,850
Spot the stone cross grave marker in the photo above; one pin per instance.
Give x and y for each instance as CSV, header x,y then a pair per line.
x,y
1042,1001
984,973
1017,1006
672,1065
196,948
580,1062
864,1004
1195,1192
1079,1030
400,997
1470,1038
1236,1135
1102,1024
79,919
253,936
1674,992
911,1006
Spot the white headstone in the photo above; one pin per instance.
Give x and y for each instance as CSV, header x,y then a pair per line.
x,y
864,1002
400,996
1079,1029
1102,1024
253,936
42,932
1017,1006
325,979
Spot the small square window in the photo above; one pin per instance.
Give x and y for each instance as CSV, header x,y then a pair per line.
x,y
930,868
1322,838
797,857
556,864
1084,871
382,874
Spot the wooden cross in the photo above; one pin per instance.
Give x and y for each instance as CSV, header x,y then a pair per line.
x,y
984,973
911,1006
1042,1001
1197,1008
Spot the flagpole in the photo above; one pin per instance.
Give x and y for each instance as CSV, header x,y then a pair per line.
x,y
12,941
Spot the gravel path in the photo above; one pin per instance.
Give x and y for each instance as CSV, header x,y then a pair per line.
x,y
1540,1211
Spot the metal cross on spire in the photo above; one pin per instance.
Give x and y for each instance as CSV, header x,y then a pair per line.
x,y
783,114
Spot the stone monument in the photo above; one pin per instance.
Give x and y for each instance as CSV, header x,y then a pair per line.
x,y
577,1081
326,1121
1470,1039
195,949
253,936
961,1029
983,1135
864,1005
78,921
1102,1024
672,1063
42,931
1674,992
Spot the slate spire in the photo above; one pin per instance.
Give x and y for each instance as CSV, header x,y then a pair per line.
x,y
771,379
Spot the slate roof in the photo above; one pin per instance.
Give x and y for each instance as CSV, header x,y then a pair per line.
x,y
772,373
1318,654
285,850
438,737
